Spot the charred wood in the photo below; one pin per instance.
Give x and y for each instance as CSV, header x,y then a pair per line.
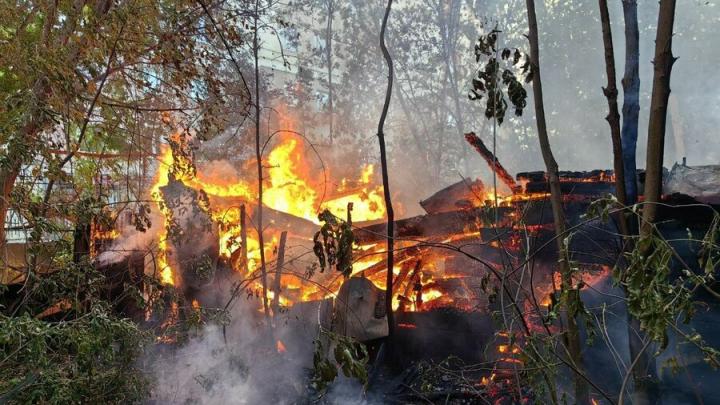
x,y
438,225
572,189
491,160
461,195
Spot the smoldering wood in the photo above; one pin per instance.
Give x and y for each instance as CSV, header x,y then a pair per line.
x,y
461,195
572,189
400,256
491,160
592,175
408,268
280,221
278,273
438,225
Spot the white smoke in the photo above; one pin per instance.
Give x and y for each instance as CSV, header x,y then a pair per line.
x,y
131,241
241,365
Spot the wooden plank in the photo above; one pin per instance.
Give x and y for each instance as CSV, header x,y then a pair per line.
x,y
461,195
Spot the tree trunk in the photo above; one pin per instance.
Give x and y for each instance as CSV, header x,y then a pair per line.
x,y
644,372
582,395
385,179
328,56
258,158
631,98
663,64
82,236
613,117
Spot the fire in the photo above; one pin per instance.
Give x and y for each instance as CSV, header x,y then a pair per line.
x,y
109,234
292,185
507,349
288,192
161,180
280,346
289,188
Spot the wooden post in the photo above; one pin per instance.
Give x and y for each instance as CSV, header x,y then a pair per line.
x,y
278,273
243,242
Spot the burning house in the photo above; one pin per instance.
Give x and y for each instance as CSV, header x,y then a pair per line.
x,y
200,209
469,258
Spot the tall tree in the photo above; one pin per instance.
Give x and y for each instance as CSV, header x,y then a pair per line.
x,y
582,394
631,98
385,178
258,159
663,64
613,117
644,373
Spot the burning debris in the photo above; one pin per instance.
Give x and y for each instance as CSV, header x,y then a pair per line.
x,y
452,269
443,259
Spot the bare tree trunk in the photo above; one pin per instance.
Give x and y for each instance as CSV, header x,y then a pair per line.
x,y
385,180
258,157
631,98
663,63
328,56
582,394
631,107
644,372
613,117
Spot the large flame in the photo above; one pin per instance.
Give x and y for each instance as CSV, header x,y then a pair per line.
x,y
294,186
289,188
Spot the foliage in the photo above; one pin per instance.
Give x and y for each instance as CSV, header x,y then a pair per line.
x,y
92,355
81,82
489,80
656,295
333,243
349,355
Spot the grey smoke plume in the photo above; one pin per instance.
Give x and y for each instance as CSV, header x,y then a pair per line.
x,y
131,240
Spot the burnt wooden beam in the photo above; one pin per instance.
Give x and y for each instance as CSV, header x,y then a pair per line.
x,y
574,188
461,195
439,225
491,160
278,274
539,176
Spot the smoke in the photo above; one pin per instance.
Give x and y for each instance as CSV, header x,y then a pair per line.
x,y
131,240
219,170
246,363
240,365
